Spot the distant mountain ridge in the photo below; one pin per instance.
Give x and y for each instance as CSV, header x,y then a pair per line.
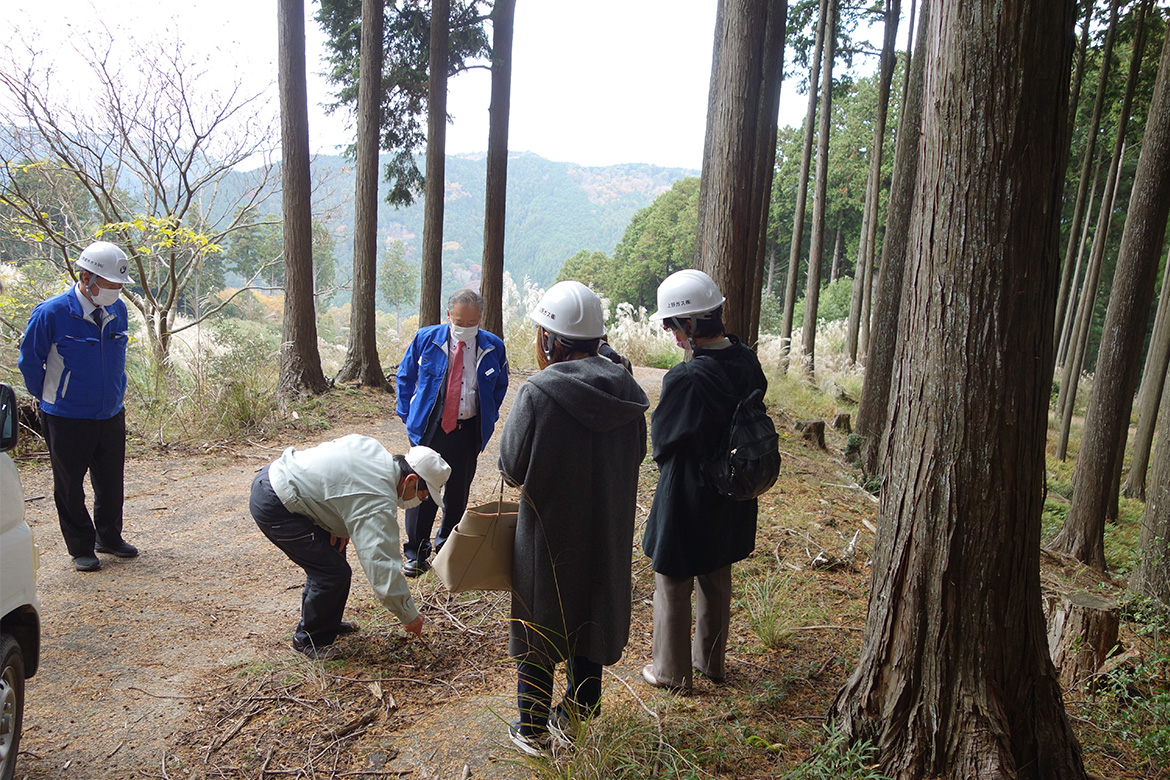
x,y
555,209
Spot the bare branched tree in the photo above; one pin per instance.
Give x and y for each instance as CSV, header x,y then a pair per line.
x,y
148,160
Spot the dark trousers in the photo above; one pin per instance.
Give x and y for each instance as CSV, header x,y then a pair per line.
x,y
99,447
327,573
534,688
460,448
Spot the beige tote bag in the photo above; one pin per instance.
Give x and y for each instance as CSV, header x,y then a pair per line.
x,y
478,553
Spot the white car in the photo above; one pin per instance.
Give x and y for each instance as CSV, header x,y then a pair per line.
x,y
20,620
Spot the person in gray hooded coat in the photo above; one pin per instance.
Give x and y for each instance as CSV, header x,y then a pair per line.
x,y
575,440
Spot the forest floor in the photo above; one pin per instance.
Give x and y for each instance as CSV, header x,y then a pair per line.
x,y
178,664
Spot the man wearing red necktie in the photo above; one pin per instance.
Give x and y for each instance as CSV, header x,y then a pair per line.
x,y
451,382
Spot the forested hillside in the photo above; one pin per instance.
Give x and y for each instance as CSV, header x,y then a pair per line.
x,y
555,209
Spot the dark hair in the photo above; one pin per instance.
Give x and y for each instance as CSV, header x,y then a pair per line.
x,y
466,296
405,470
706,325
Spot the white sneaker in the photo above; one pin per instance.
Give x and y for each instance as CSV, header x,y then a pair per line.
x,y
535,746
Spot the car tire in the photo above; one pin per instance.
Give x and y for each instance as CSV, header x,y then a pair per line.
x,y
11,704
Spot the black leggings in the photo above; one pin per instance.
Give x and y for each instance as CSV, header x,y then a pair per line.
x,y
534,688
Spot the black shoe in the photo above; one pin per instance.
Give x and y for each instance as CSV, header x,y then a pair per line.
x,y
86,563
413,568
316,652
348,628
120,550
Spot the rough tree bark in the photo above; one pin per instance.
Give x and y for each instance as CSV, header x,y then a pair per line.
x,y
1107,419
735,146
300,362
430,306
863,268
1071,371
812,290
362,364
955,680
1086,163
1150,394
495,194
879,362
802,190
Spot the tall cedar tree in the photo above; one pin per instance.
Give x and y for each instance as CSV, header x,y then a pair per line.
x,y
1122,337
730,223
812,290
300,362
810,118
862,275
362,364
406,44
1153,573
1087,161
879,361
496,187
955,680
1150,394
430,307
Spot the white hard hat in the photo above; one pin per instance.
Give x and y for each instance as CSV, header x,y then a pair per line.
x,y
570,310
687,293
107,261
430,466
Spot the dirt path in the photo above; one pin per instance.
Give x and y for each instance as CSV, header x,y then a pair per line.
x,y
131,651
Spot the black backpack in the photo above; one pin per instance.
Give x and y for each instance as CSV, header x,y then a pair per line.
x,y
747,462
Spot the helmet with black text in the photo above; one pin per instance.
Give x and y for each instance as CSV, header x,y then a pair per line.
x,y
569,313
107,261
687,293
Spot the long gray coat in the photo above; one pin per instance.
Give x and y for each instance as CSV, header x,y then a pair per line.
x,y
575,440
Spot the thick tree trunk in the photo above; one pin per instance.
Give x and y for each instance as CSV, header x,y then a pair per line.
x,y
495,196
879,362
737,153
362,364
863,268
1150,394
1071,374
955,680
1107,419
812,290
1152,577
430,308
300,362
1087,162
802,189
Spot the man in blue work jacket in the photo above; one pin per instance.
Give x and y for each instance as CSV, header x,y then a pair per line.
x,y
451,382
73,358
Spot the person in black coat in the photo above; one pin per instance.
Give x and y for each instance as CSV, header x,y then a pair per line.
x,y
694,534
575,440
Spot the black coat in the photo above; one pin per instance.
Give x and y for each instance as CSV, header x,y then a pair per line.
x,y
575,439
691,529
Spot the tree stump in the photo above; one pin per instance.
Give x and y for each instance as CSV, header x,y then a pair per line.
x,y
812,431
1082,631
841,422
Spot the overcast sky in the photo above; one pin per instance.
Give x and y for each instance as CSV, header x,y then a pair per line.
x,y
597,83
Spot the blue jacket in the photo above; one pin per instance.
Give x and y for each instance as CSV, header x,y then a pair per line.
x,y
423,370
70,365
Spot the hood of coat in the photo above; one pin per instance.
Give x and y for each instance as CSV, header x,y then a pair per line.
x,y
598,393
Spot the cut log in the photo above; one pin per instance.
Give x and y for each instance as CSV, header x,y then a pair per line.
x,y
812,431
841,422
1082,632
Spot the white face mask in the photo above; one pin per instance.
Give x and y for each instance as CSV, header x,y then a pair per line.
x,y
409,503
103,295
466,335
